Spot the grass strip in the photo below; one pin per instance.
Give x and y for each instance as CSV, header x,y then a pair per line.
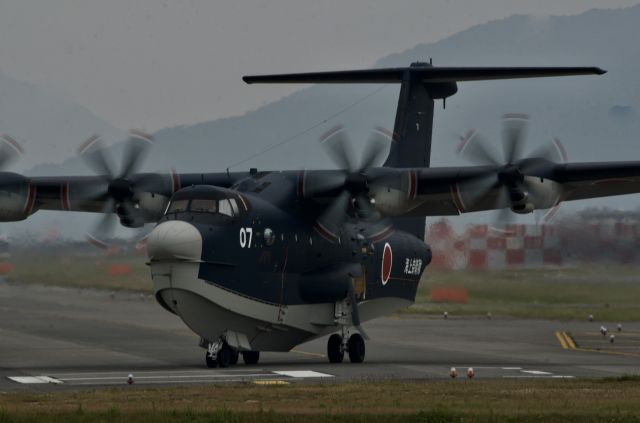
x,y
454,400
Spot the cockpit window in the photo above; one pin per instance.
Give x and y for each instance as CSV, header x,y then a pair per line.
x,y
225,208
178,206
234,206
204,205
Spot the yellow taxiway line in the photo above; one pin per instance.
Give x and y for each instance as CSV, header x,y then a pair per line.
x,y
560,337
567,343
271,382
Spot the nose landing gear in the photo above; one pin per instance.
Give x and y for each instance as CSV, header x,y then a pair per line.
x,y
220,354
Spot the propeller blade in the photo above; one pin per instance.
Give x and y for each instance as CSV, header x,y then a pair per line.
x,y
336,213
321,183
10,149
550,213
338,148
474,190
513,136
552,151
136,150
476,149
94,155
376,149
106,226
504,217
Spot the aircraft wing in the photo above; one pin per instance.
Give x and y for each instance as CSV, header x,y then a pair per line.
x,y
591,180
92,193
436,191
456,190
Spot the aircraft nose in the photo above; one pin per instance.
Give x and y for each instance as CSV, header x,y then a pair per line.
x,y
174,240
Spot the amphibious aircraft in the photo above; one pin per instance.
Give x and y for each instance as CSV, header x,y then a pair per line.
x,y
265,260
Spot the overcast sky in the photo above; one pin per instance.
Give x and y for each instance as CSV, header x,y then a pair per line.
x,y
151,64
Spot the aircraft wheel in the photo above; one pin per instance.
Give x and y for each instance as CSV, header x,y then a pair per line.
x,y
334,349
250,357
356,348
211,363
224,356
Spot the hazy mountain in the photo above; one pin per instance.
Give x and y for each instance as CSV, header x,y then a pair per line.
x,y
576,109
594,116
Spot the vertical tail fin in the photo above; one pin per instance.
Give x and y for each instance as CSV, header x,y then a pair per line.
x,y
411,146
414,119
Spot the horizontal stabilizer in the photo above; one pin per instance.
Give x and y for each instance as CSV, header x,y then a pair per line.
x,y
427,73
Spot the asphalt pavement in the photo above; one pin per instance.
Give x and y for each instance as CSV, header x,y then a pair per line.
x,y
55,338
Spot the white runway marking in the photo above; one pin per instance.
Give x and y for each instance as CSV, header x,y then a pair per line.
x,y
34,379
510,372
532,374
301,373
537,372
151,377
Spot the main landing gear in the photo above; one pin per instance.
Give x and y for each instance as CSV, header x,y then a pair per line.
x,y
220,354
336,347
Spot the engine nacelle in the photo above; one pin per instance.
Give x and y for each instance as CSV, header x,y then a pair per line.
x,y
148,208
393,202
541,193
398,200
17,197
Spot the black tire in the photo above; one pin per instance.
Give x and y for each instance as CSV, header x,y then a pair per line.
x,y
211,363
356,348
250,357
334,349
235,355
224,356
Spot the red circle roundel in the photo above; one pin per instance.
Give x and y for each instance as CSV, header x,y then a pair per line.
x,y
387,261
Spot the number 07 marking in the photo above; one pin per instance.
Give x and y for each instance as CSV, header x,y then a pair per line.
x,y
246,235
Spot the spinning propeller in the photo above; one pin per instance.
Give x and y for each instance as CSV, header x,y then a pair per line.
x,y
119,190
516,178
354,181
10,150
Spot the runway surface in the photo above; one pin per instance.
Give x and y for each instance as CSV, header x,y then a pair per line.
x,y
58,338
